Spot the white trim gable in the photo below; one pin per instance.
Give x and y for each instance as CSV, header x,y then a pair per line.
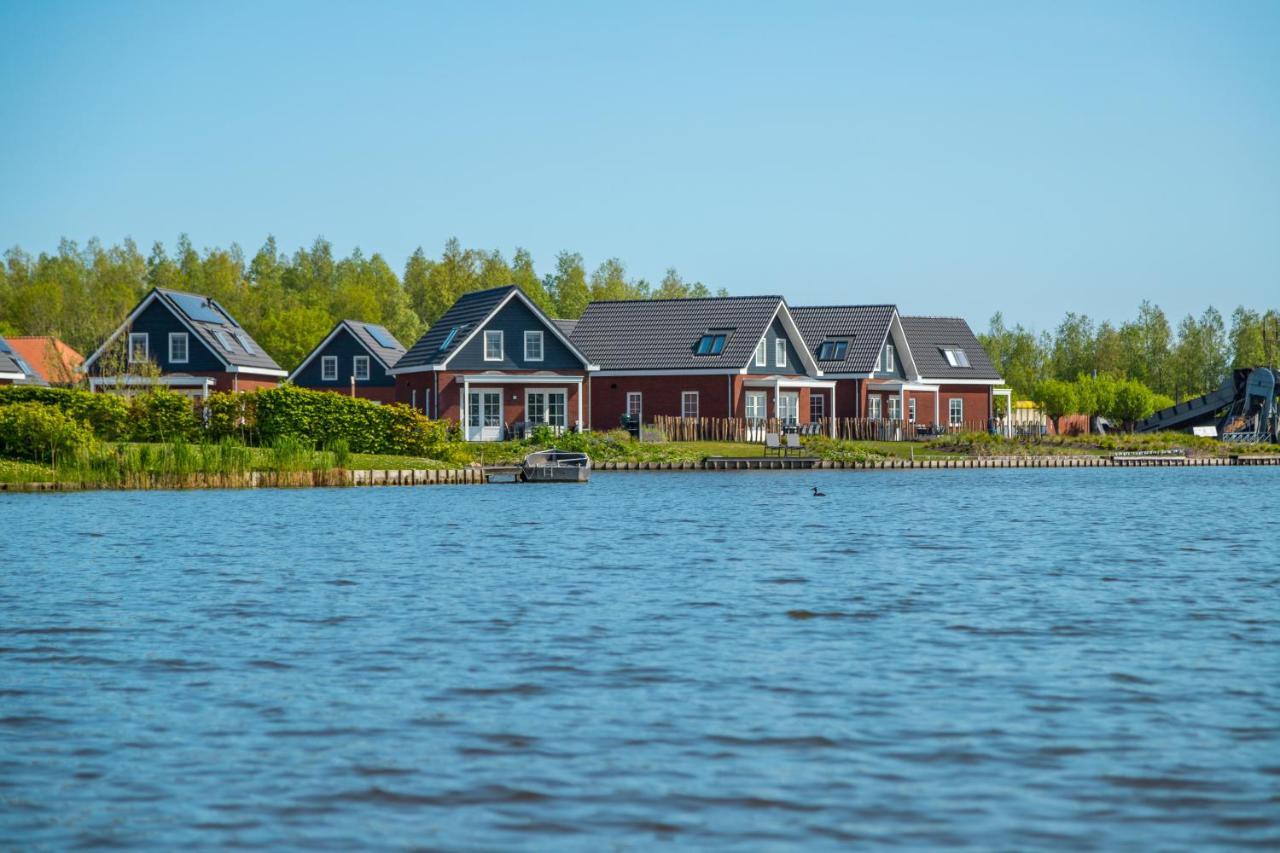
x,y
546,321
793,332
153,296
342,324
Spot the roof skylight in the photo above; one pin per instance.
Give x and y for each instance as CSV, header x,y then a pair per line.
x,y
955,356
710,344
448,339
833,350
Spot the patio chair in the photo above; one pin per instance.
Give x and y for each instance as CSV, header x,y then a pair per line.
x,y
793,444
771,444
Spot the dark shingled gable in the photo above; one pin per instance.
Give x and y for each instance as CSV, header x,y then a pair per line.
x,y
864,326
927,336
470,309
660,334
387,355
237,355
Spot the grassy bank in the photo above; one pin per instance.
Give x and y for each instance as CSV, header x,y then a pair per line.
x,y
982,444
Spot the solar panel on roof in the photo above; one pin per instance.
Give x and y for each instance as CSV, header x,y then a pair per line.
x,y
198,308
382,336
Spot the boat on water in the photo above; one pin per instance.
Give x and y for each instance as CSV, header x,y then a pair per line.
x,y
556,466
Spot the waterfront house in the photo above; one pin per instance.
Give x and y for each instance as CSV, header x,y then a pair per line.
x,y
49,358
354,358
15,369
185,342
955,373
740,357
864,350
497,365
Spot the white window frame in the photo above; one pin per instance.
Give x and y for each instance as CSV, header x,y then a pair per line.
x,y
874,407
685,397
780,351
791,397
146,346
895,402
326,361
494,334
911,410
821,400
186,347
639,398
955,411
762,353
888,358
533,335
356,362
546,405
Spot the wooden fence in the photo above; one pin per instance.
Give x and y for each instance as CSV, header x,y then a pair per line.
x,y
848,429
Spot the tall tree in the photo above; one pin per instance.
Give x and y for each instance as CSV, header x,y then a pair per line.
x,y
568,284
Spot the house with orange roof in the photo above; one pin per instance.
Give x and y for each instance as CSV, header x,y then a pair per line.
x,y
49,358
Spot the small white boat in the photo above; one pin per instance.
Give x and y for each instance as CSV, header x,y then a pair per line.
x,y
556,466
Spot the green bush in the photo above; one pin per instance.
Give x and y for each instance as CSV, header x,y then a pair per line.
x,y
106,414
41,433
161,415
229,414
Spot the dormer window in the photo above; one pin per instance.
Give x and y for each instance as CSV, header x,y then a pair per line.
x,y
955,357
711,343
833,350
448,339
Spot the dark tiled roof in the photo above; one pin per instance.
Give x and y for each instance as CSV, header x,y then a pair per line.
x,y
470,310
566,327
237,354
12,362
864,326
660,334
928,335
365,334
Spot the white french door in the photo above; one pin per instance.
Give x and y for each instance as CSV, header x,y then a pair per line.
x,y
757,408
789,408
484,415
546,406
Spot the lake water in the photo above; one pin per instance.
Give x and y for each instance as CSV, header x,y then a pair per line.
x,y
1004,659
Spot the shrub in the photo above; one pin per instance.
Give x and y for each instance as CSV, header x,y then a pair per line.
x,y
230,414
161,415
106,414
41,433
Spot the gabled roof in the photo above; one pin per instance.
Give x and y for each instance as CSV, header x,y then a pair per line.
x,y
928,336
448,335
367,335
660,334
14,368
865,327
211,324
51,359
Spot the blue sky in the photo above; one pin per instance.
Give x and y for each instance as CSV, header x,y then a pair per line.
x,y
953,158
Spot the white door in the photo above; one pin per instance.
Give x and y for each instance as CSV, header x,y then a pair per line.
x,y
789,408
757,411
547,407
484,415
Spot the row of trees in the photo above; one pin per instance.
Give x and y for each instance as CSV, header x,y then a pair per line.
x,y
1121,401
1179,364
288,302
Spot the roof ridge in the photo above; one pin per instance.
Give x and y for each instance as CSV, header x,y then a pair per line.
x,y
859,305
933,317
648,300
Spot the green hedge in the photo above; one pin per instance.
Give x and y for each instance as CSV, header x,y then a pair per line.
x,y
106,414
41,433
317,419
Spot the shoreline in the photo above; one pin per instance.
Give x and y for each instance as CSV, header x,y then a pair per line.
x,y
474,476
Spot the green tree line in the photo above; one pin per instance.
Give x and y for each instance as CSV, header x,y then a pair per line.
x,y
1176,363
288,302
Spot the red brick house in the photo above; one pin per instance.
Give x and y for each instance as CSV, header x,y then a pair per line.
x,y
195,343
723,357
497,365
